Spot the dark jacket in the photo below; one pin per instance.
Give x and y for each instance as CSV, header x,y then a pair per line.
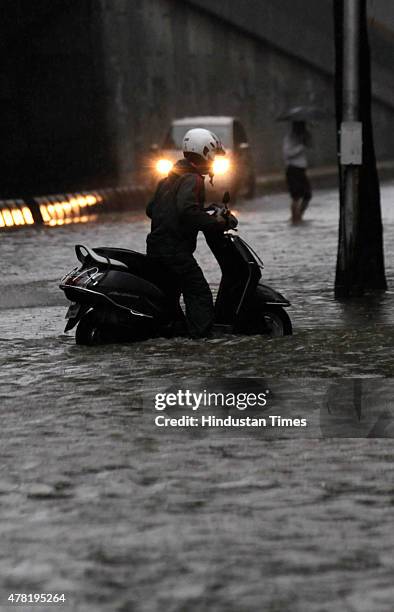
x,y
177,212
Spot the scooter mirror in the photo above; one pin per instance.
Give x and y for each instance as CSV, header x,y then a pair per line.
x,y
226,197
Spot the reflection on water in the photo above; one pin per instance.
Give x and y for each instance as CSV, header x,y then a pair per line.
x,y
359,408
370,309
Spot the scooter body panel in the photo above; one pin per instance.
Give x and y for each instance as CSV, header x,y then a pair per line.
x,y
240,276
120,297
270,296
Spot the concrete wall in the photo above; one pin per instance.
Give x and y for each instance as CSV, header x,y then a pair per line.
x,y
88,85
382,11
171,58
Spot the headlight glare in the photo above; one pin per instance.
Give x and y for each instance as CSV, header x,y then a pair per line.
x,y
221,165
163,166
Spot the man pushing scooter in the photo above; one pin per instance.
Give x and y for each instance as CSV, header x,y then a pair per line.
x,y
178,214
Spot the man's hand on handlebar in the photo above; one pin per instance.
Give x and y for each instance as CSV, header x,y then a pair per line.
x,y
223,215
230,220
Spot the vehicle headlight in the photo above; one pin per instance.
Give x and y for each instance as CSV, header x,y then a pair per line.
x,y
221,165
163,166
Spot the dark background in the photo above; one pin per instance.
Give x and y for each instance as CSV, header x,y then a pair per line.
x,y
87,86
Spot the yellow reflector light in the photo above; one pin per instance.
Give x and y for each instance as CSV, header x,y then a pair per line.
x,y
17,216
163,166
7,217
27,215
54,210
59,210
44,213
221,165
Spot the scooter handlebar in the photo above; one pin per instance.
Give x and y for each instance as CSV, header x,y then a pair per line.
x,y
222,211
214,209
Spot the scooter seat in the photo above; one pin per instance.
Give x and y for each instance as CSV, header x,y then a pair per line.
x,y
140,265
84,253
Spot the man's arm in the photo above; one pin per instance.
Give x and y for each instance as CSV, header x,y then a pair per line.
x,y
149,208
190,198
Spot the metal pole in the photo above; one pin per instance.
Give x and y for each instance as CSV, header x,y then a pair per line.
x,y
351,129
351,87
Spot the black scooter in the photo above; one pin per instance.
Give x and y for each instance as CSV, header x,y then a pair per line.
x,y
120,295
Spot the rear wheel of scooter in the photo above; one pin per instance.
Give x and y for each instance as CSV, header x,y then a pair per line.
x,y
88,332
276,322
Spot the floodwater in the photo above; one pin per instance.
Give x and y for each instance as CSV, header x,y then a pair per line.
x,y
99,504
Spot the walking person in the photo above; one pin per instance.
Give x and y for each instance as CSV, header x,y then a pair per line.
x,y
295,144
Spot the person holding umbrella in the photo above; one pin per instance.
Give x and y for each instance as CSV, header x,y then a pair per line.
x,y
295,144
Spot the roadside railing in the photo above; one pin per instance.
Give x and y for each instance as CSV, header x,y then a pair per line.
x,y
67,208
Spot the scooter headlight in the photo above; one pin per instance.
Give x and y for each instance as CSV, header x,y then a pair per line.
x,y
163,166
221,165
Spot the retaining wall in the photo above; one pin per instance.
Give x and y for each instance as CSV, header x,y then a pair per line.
x,y
88,85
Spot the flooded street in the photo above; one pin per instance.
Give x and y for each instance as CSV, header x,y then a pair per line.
x,y
100,505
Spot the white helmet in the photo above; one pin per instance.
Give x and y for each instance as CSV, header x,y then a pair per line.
x,y
202,142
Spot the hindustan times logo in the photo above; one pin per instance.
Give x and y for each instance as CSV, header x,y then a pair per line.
x,y
195,400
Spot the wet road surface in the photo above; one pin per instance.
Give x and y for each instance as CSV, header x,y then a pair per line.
x,y
99,504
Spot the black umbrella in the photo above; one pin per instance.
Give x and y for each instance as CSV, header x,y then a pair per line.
x,y
304,113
